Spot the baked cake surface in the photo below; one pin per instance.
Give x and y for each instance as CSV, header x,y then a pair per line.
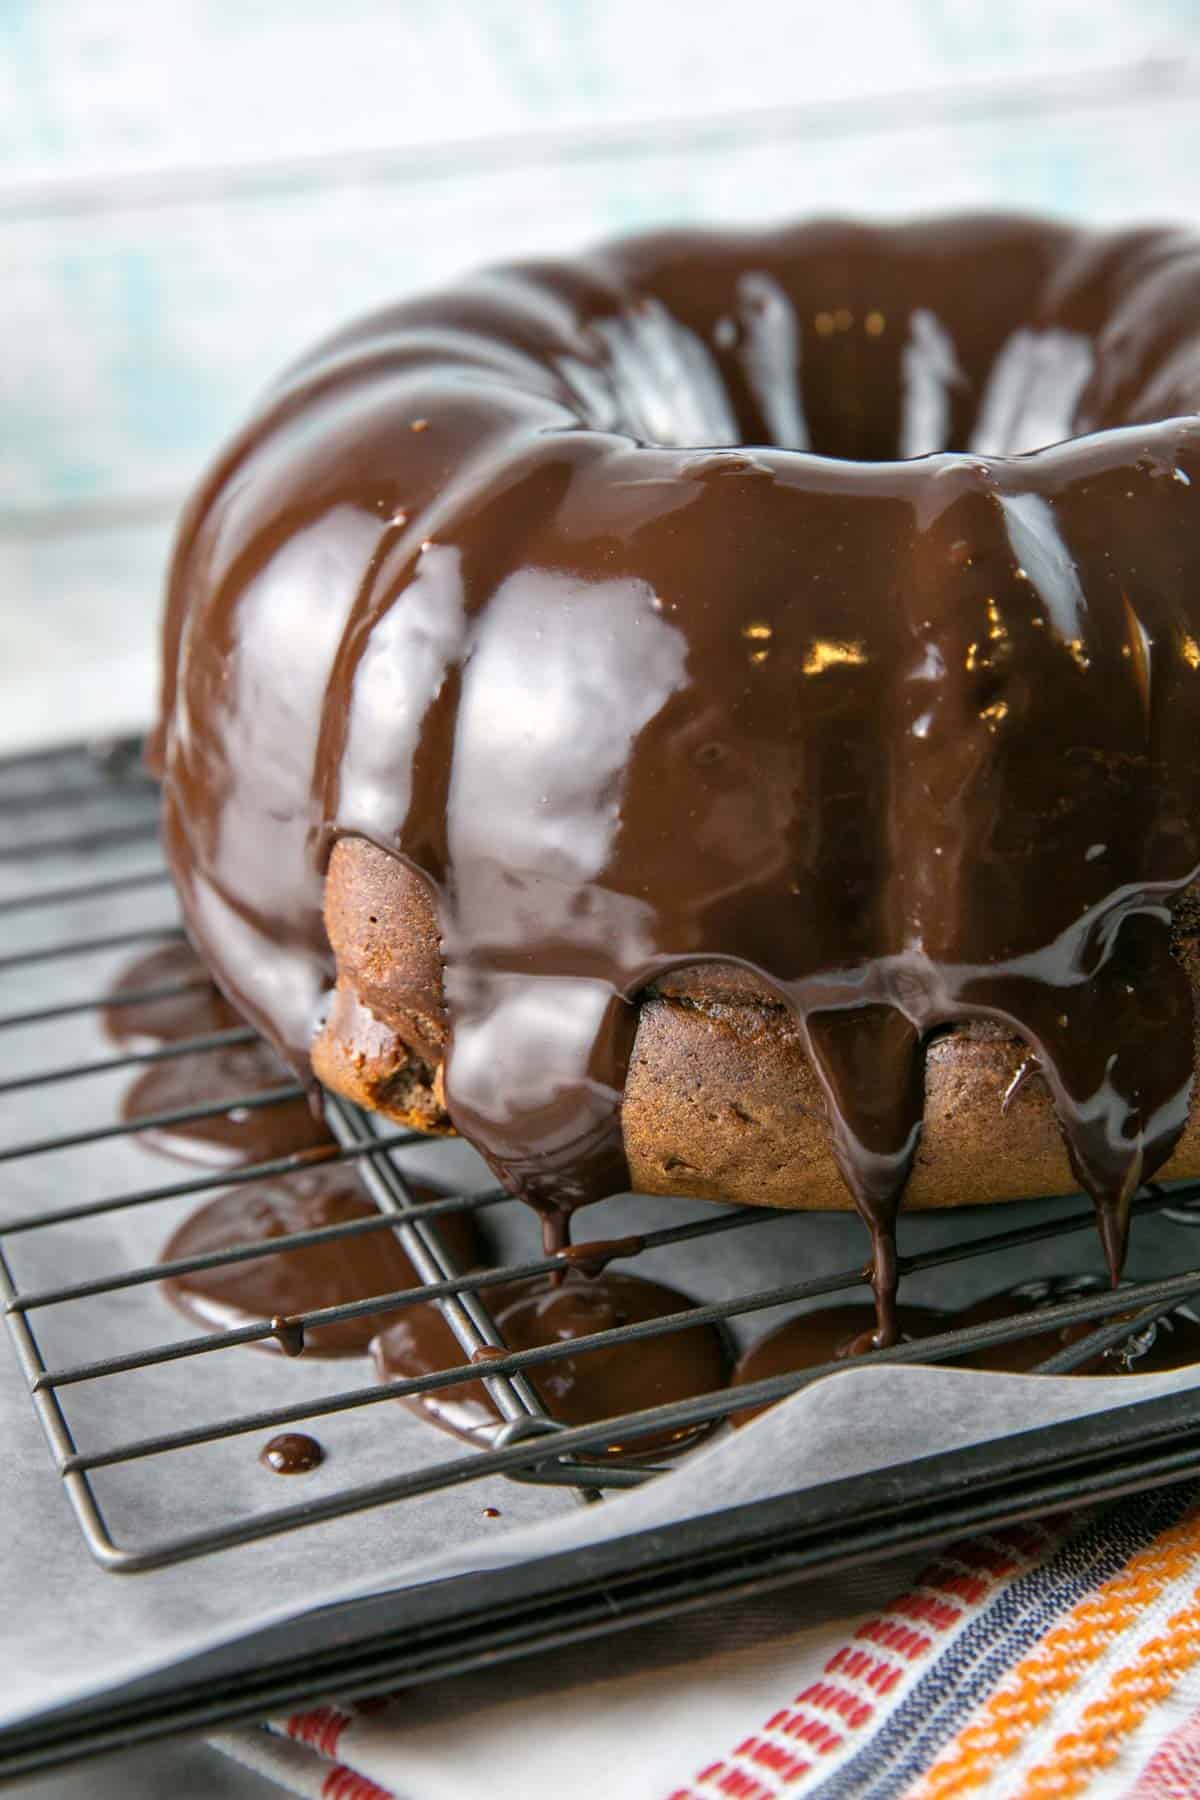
x,y
722,713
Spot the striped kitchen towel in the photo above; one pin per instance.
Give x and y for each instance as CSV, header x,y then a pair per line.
x,y
1056,1659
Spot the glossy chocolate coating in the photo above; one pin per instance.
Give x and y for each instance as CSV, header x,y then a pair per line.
x,y
291,1453
288,1282
577,1390
819,1337
825,1335
1171,1342
699,602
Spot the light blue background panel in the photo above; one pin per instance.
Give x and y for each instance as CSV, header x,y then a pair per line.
x,y
189,193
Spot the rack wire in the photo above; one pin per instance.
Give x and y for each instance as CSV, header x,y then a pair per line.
x,y
91,804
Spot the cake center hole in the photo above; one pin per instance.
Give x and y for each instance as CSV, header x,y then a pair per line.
x,y
853,383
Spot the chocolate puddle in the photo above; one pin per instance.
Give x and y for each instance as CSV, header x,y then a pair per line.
x,y
232,1139
812,1339
229,1139
717,614
150,1024
279,1286
815,1338
1171,1342
577,1390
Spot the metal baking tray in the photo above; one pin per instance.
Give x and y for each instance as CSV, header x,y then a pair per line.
x,y
78,839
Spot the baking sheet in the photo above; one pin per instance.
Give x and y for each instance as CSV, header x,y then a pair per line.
x,y
86,1632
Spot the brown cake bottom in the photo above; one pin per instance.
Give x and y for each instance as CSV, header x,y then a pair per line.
x,y
721,1101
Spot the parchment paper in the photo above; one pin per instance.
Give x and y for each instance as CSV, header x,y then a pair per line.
x,y
81,1631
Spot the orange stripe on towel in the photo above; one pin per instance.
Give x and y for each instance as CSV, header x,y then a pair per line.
x,y
1106,1722
1035,1685
881,1653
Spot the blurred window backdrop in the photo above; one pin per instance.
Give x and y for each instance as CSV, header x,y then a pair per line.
x,y
191,192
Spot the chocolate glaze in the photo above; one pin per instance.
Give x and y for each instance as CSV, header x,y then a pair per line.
x,y
1171,1342
289,1335
594,1257
814,1338
578,1390
1029,1067
291,1453
237,1137
278,1286
198,1010
718,613
226,1139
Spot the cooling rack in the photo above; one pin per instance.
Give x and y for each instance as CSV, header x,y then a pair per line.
x,y
78,843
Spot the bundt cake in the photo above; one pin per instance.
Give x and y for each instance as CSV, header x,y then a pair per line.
x,y
722,715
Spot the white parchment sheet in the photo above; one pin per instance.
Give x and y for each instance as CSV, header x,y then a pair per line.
x,y
76,1631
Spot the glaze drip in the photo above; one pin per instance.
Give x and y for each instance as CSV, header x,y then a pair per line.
x,y
909,741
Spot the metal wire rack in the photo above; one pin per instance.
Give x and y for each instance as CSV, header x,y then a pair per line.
x,y
77,808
